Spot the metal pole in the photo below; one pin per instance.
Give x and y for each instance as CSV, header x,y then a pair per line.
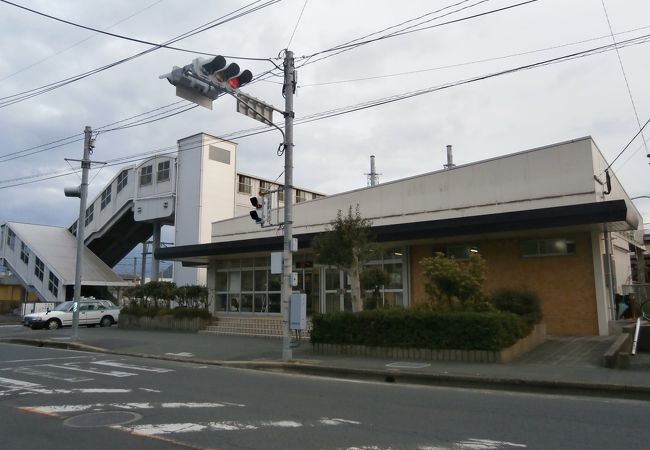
x,y
287,257
144,262
81,225
155,264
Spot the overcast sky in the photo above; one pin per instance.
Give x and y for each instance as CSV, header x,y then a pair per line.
x,y
482,119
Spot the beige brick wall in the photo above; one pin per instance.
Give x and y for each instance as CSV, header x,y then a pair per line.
x,y
565,284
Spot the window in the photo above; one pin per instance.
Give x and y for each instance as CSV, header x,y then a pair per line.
x,y
39,268
89,214
281,193
145,175
53,284
301,196
461,252
73,228
122,180
24,253
547,247
163,172
266,186
11,238
244,185
106,197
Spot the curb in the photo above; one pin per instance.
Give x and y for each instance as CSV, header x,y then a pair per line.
x,y
636,392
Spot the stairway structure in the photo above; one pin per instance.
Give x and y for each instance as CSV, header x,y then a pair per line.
x,y
260,326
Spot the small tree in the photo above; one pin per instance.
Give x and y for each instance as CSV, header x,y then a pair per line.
x,y
194,296
346,245
450,280
373,279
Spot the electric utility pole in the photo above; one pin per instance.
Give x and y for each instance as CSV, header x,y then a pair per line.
x,y
83,194
287,257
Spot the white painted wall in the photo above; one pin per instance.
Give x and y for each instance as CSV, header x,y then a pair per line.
x,y
556,175
206,175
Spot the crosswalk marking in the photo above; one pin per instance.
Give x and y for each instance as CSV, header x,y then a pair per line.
x,y
53,409
226,425
131,366
110,373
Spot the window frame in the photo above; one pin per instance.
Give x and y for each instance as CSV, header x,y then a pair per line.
x,y
244,184
11,239
53,284
163,174
106,197
24,253
542,245
39,268
122,180
146,175
90,215
301,198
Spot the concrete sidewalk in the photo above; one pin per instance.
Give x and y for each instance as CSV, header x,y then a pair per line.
x,y
561,365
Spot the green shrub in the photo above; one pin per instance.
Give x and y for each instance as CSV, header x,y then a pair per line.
x,y
463,330
178,313
521,302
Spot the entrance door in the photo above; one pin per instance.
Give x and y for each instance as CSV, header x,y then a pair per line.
x,y
337,296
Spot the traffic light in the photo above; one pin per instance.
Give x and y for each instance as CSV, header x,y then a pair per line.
x,y
220,72
262,212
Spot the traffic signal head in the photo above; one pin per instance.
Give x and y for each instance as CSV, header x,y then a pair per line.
x,y
243,78
213,65
258,214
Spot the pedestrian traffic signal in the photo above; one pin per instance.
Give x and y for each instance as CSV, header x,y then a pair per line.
x,y
262,212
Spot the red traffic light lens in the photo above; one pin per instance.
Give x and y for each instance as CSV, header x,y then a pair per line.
x,y
234,83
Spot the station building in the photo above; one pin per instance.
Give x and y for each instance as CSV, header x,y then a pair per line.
x,y
553,219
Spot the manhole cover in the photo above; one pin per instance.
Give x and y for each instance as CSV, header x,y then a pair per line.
x,y
102,419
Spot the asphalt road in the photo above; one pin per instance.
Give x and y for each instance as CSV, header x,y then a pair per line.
x,y
74,400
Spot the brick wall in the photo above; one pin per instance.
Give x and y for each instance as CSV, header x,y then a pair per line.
x,y
565,284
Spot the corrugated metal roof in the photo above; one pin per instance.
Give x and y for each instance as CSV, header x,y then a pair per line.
x,y
57,248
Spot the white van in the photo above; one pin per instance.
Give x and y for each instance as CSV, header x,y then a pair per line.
x,y
91,312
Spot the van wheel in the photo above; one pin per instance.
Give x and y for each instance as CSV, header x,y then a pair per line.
x,y
106,321
53,324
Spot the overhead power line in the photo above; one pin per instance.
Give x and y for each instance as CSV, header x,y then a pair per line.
x,y
22,96
414,28
383,101
79,42
121,36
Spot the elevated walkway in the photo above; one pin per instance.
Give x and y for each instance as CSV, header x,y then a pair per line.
x,y
43,259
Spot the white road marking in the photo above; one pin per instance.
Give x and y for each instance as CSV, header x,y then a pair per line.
x,y
486,444
50,375
43,359
326,421
185,354
131,366
110,373
407,365
228,425
53,409
12,384
149,390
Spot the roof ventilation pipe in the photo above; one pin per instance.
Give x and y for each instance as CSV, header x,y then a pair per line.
x,y
450,159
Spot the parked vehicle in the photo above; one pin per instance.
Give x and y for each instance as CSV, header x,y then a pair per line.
x,y
91,312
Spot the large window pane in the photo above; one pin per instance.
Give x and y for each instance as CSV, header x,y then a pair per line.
x,y
275,282
247,280
260,280
246,303
261,303
395,276
234,282
221,302
274,303
233,302
332,279
221,281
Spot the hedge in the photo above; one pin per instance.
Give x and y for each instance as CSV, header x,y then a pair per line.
x,y
179,313
461,330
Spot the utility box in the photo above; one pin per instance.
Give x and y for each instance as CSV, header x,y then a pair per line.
x,y
276,262
298,312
